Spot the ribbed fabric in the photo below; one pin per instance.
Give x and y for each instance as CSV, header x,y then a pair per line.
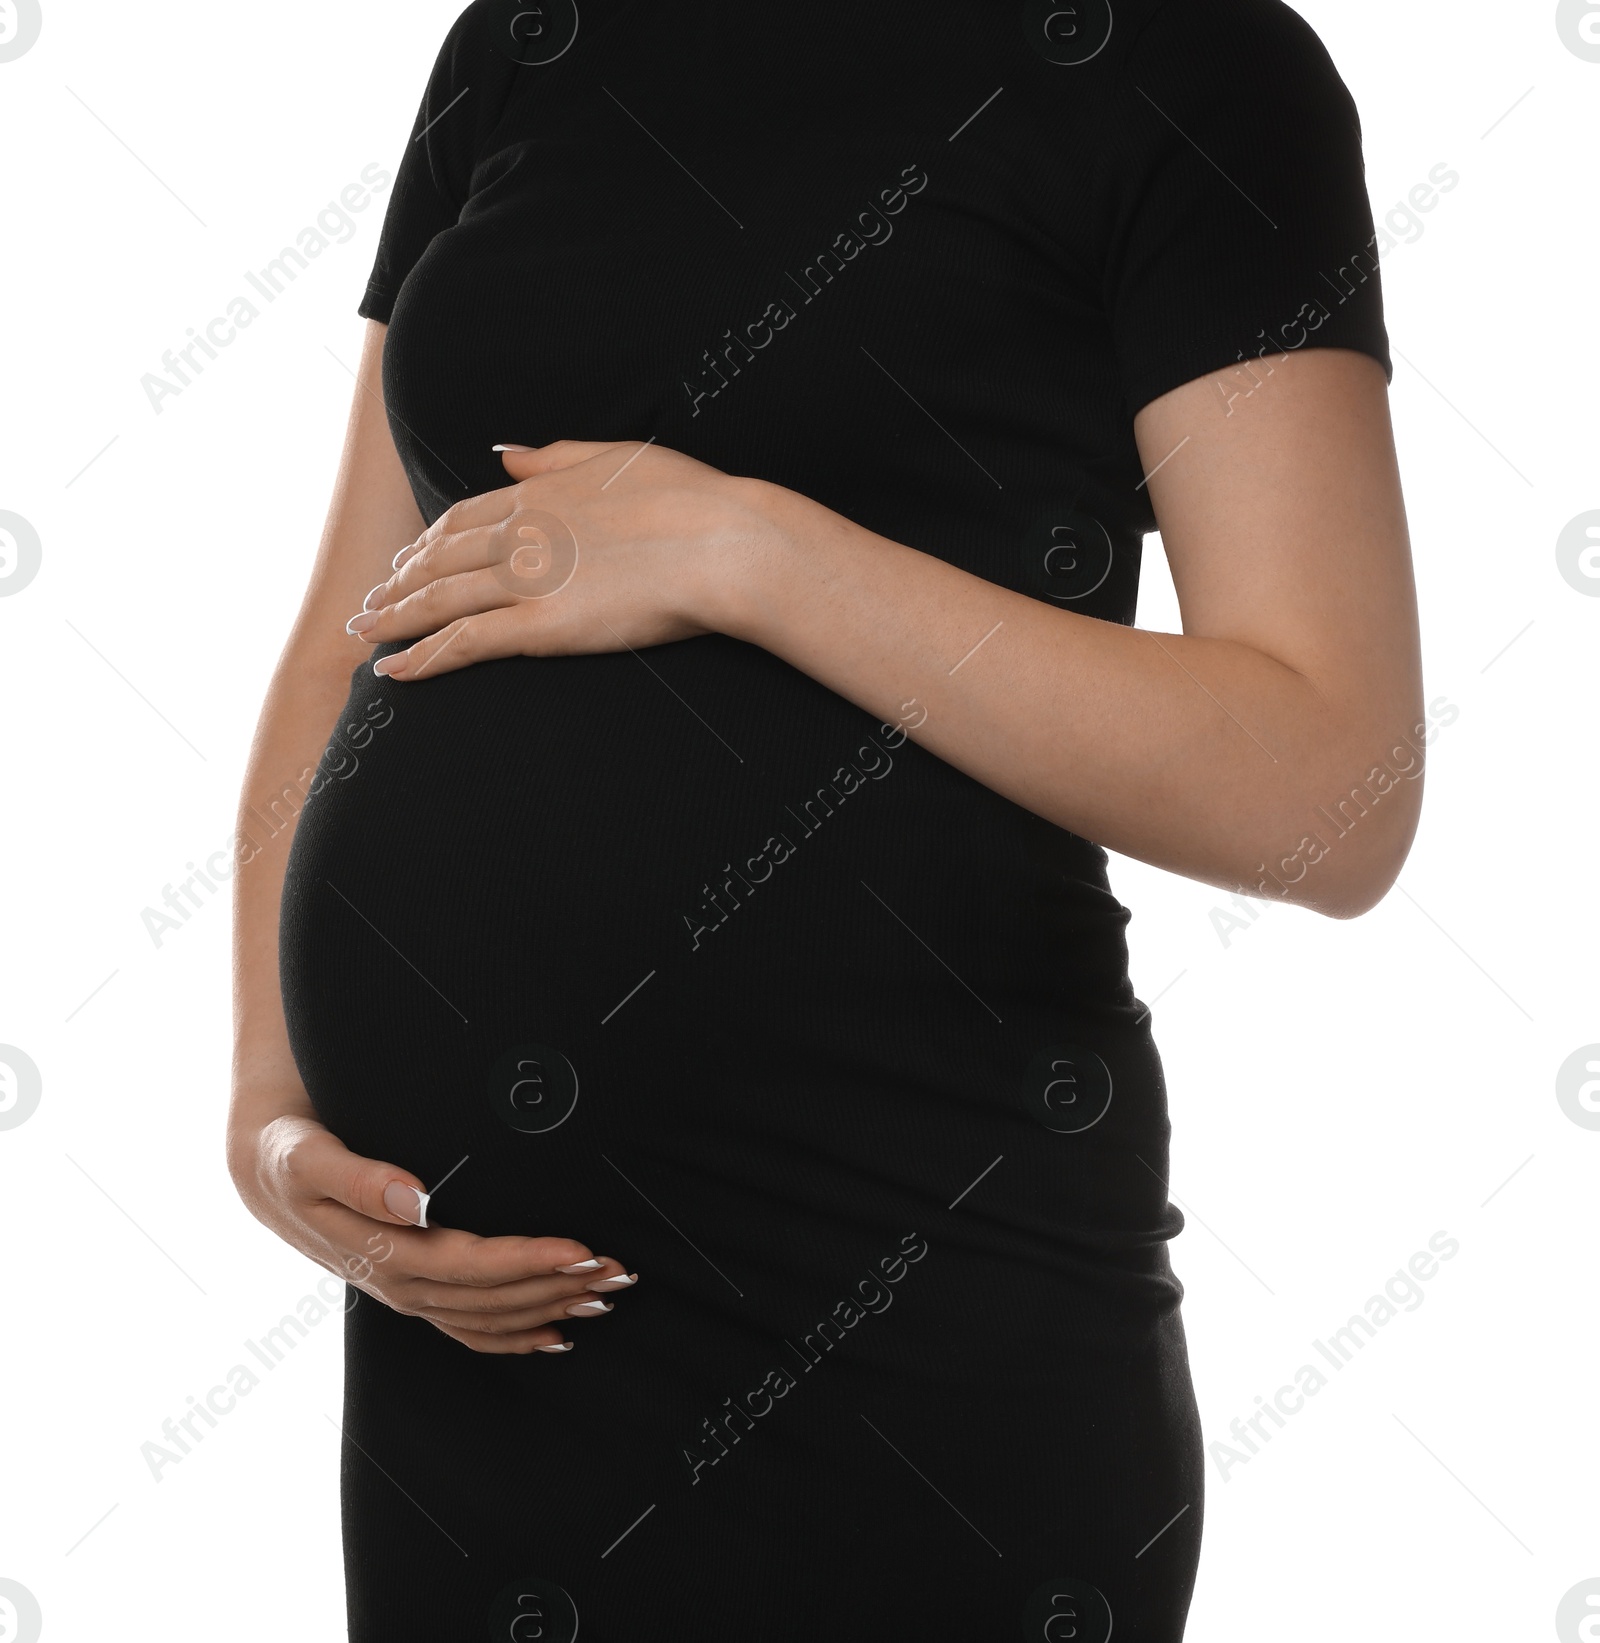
x,y
838,1047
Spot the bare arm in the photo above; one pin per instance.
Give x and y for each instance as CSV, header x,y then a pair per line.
x,y
371,515
1217,752
1274,745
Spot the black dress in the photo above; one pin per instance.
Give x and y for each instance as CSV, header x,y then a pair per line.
x,y
693,960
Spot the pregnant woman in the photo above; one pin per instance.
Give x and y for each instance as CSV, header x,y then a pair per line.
x,y
683,994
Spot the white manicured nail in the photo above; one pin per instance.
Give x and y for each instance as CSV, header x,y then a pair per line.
x,y
565,1346
588,1309
618,1282
582,1266
406,1202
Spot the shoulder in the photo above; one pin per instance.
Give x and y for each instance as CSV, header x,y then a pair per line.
x,y
508,34
1232,48
490,48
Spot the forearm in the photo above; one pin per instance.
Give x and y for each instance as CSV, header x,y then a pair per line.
x,y
1203,756
301,706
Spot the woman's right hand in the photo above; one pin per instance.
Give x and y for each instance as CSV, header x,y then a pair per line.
x,y
359,1218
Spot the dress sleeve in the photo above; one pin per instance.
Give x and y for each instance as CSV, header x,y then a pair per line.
x,y
1239,217
465,98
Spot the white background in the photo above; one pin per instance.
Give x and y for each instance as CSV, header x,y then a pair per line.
x,y
1340,1091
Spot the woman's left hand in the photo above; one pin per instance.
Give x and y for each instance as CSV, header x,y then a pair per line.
x,y
595,547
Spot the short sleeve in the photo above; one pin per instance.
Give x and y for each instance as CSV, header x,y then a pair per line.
x,y
464,100
1240,223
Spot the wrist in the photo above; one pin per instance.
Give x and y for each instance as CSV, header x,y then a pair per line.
x,y
756,558
251,1115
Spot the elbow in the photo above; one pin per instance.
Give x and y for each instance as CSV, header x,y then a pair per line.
x,y
1362,864
1359,897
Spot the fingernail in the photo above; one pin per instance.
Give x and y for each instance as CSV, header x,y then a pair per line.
x,y
360,624
367,603
582,1266
511,447
389,664
588,1309
394,564
565,1346
406,1202
617,1282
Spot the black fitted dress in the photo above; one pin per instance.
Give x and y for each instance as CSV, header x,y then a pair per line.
x,y
685,956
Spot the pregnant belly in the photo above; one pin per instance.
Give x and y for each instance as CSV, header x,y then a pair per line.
x,y
527,917
630,934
